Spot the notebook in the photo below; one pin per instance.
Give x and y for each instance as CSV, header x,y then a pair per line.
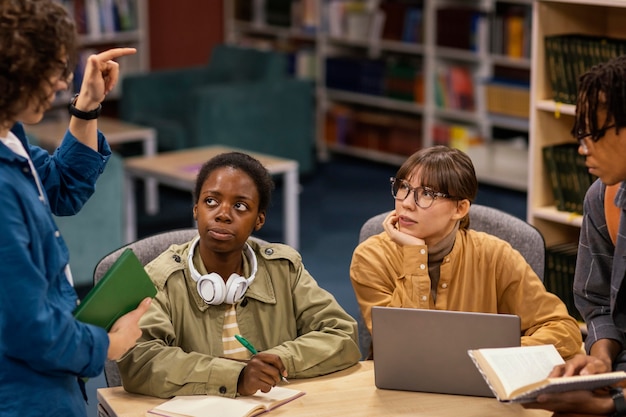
x,y
119,291
426,350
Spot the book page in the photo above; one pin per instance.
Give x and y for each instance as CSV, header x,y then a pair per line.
x,y
520,366
205,405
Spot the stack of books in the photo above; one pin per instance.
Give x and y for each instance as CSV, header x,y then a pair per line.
x,y
568,175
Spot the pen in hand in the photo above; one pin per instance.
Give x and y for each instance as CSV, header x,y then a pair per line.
x,y
252,350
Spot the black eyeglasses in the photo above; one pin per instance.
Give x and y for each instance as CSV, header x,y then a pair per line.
x,y
424,196
594,136
66,73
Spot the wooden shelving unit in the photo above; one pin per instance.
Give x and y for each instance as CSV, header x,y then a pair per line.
x,y
550,121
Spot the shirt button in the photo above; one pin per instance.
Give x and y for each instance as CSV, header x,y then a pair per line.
x,y
422,266
222,390
244,302
444,285
423,251
57,233
26,170
424,298
269,251
176,258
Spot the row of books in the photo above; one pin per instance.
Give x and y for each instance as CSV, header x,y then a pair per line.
x,y
461,27
101,17
300,14
384,132
456,135
391,76
559,274
454,88
569,56
569,177
511,30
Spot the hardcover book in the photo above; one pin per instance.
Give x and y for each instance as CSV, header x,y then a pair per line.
x,y
120,291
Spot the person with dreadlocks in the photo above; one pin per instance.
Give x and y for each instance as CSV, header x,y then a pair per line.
x,y
599,286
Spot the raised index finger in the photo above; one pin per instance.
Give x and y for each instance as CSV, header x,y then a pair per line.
x,y
115,53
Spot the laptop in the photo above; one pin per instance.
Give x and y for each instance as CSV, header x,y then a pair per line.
x,y
426,350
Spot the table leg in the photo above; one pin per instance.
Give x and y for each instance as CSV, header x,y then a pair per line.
x,y
131,208
151,184
291,208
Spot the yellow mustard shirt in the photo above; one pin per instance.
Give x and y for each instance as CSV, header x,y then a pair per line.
x,y
482,273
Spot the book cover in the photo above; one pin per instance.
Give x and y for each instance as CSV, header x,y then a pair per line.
x,y
120,291
206,405
520,374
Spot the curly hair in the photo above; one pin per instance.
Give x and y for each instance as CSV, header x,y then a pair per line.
x,y
601,89
37,39
251,166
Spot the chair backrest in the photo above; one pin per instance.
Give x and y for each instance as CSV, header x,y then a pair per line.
x,y
524,237
146,250
521,235
233,63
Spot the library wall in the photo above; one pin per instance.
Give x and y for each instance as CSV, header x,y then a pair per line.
x,y
183,33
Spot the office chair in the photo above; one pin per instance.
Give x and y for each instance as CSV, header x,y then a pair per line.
x,y
146,250
521,235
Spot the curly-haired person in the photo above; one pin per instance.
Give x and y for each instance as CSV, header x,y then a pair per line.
x,y
44,352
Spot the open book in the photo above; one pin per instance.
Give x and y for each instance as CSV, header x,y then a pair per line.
x,y
212,405
520,374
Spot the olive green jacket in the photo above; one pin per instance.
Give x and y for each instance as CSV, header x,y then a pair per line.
x,y
284,312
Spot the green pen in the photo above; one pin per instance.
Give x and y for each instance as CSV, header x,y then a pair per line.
x,y
252,350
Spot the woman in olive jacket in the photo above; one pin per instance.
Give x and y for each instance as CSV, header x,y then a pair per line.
x,y
261,290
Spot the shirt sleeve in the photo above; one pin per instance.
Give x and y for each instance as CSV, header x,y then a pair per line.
x,y
592,279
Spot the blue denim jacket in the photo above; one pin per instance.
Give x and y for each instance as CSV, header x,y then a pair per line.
x,y
42,348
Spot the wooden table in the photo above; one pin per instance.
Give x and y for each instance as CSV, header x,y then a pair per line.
x,y
49,134
347,393
178,169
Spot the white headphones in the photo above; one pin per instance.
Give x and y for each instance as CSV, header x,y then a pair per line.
x,y
212,288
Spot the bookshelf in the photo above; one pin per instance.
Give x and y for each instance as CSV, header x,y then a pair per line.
x,y
376,64
551,121
104,24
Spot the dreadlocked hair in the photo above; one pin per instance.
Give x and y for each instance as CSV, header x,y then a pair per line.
x,y
602,88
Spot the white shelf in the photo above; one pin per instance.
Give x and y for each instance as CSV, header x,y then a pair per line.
x,y
562,217
374,101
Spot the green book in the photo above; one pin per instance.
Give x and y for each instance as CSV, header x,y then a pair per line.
x,y
120,290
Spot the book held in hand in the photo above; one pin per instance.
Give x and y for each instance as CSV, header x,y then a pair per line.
x,y
118,292
213,405
520,374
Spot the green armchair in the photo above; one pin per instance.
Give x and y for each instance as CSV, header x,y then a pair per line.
x,y
243,98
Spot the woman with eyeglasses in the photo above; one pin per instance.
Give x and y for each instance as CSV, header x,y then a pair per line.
x,y
428,258
44,352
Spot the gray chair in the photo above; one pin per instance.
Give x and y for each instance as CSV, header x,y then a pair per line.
x,y
521,235
146,250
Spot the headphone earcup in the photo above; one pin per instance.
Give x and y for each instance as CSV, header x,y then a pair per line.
x,y
212,289
236,286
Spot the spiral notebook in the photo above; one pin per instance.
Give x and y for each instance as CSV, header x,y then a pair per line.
x,y
426,350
